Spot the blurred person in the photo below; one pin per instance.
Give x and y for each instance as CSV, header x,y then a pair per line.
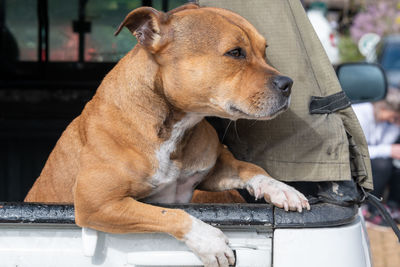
x,y
380,122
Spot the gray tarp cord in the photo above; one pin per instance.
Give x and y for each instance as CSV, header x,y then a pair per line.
x,y
298,145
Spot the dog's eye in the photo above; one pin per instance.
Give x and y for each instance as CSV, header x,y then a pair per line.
x,y
236,53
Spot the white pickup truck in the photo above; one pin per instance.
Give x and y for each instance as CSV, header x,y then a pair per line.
x,y
261,236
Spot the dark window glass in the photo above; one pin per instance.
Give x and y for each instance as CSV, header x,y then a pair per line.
x,y
105,17
63,42
20,36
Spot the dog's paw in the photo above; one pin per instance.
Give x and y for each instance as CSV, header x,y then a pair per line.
x,y
209,244
277,193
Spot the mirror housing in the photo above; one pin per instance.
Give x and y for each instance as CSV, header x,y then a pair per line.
x,y
362,82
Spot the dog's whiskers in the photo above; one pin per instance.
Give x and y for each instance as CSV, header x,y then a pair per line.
x,y
254,122
236,131
226,131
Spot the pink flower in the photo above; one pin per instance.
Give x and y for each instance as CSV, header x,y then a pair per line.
x,y
380,16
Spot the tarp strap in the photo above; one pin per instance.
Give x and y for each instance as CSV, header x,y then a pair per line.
x,y
377,203
329,104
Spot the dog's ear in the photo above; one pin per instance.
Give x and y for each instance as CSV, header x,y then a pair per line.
x,y
145,24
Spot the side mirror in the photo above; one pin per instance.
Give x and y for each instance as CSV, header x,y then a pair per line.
x,y
362,82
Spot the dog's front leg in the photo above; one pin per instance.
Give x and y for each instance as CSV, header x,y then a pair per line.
x,y
230,173
103,201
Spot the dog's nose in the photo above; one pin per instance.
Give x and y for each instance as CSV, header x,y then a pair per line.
x,y
283,83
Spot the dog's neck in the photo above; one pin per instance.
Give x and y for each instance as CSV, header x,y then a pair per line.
x,y
139,90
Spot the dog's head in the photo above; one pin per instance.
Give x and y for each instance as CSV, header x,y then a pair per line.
x,y
212,62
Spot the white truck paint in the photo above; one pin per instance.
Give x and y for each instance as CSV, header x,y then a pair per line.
x,y
53,245
66,245
344,246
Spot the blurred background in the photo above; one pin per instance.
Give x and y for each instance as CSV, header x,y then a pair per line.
x,y
359,30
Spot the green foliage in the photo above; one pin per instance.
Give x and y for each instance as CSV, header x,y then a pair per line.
x,y
348,50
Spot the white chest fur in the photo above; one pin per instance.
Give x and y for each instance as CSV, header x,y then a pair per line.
x,y
167,172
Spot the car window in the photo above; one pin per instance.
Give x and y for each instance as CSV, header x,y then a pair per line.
x,y
391,57
74,30
105,16
63,41
20,30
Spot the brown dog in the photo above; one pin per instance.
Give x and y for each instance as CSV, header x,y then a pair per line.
x,y
143,135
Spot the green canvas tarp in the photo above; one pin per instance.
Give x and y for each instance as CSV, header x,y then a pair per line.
x,y
298,145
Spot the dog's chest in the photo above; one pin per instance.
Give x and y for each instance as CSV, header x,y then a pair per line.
x,y
173,182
